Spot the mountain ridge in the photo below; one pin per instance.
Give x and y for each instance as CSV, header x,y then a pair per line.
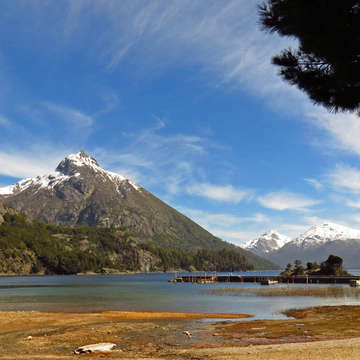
x,y
318,241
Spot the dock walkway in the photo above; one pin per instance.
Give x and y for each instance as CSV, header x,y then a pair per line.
x,y
301,279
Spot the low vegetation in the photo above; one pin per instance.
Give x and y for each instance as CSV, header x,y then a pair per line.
x,y
310,290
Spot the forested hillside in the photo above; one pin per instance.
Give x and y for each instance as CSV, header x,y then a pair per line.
x,y
32,247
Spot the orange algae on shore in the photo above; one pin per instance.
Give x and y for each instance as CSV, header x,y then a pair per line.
x,y
155,335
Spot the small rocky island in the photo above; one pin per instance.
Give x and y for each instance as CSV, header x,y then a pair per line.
x,y
333,266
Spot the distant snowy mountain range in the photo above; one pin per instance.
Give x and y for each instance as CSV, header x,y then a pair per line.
x,y
314,244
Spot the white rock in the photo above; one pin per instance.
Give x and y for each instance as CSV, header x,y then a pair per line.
x,y
95,348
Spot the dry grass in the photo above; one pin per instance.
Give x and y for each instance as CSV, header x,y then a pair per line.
x,y
310,290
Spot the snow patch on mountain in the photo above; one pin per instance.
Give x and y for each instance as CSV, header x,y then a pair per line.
x,y
325,232
7,190
44,181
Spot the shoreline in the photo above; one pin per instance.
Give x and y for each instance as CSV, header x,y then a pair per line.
x,y
172,272
152,335
131,315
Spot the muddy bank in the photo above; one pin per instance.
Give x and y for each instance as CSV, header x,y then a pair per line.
x,y
141,335
136,334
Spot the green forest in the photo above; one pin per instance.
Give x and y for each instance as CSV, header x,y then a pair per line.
x,y
34,247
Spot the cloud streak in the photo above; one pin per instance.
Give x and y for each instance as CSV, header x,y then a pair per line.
x,y
315,183
228,226
22,166
225,193
73,117
287,201
344,128
5,122
166,163
222,38
345,178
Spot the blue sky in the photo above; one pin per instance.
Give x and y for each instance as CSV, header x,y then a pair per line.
x,y
181,97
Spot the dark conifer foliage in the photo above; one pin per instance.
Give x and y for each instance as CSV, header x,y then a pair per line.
x,y
326,64
56,249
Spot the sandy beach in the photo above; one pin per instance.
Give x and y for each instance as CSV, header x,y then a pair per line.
x,y
314,333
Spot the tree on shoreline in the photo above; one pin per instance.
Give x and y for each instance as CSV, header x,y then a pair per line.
x,y
332,266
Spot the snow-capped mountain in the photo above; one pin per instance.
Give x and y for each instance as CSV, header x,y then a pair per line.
x,y
80,192
267,243
68,169
315,244
320,234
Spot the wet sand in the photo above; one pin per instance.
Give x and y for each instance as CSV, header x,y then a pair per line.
x,y
314,333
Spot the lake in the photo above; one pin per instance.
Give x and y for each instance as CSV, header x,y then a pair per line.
x,y
144,292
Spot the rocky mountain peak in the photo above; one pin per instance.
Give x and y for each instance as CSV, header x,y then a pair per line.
x,y
76,172
267,242
74,162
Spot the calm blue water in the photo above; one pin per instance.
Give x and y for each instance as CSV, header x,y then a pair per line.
x,y
147,292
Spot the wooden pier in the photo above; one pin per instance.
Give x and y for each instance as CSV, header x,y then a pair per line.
x,y
301,279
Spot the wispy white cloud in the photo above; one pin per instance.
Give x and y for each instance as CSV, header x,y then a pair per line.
x,y
223,220
111,101
222,38
353,203
24,165
5,122
74,117
236,237
225,193
303,224
287,201
344,128
355,218
293,230
229,227
345,178
316,220
131,159
130,174
315,183
169,162
42,144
